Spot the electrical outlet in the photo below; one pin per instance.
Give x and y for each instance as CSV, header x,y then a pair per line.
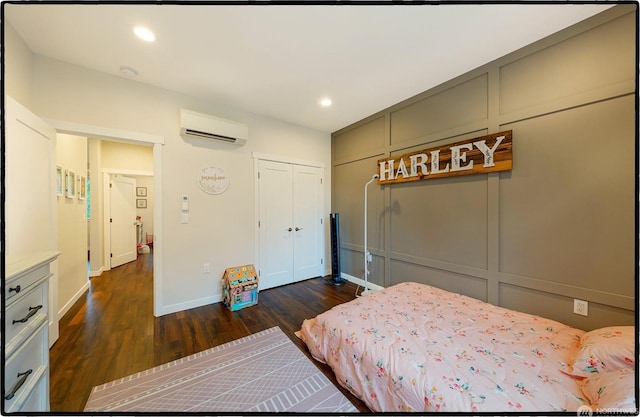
x,y
206,268
581,307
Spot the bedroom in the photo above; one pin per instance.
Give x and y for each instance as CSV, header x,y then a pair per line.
x,y
60,91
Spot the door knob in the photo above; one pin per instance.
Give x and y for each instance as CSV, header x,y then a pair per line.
x,y
289,229
298,228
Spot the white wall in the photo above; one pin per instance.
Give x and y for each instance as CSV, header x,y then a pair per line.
x,y
71,154
221,228
17,63
126,157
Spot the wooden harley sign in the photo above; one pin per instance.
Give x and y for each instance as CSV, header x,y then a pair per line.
x,y
474,156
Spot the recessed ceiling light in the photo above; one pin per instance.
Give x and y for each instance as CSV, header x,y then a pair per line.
x,y
325,102
144,33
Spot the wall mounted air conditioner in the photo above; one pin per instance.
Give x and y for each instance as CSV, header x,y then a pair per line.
x,y
203,126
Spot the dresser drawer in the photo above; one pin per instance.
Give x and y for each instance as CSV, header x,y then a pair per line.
x,y
24,282
37,400
25,315
28,364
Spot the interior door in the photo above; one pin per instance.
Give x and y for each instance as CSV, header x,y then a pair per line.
x,y
307,220
123,220
30,208
276,223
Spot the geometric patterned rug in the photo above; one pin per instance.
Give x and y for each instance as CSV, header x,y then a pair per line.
x,y
264,372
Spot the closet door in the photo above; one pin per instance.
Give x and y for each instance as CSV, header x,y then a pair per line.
x,y
307,220
275,224
290,227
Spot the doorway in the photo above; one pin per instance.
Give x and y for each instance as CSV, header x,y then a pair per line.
x,y
157,142
118,167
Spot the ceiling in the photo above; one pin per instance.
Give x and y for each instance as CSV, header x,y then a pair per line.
x,y
281,60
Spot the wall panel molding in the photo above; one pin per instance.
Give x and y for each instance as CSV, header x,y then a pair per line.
x,y
429,232
625,302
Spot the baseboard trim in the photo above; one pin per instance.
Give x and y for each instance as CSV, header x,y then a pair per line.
x,y
360,282
72,301
174,308
96,273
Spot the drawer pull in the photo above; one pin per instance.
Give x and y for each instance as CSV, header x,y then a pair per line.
x,y
16,289
32,312
23,377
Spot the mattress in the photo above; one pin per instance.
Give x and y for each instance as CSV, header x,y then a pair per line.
x,y
413,347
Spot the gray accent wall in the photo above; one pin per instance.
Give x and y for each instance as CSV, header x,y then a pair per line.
x,y
561,225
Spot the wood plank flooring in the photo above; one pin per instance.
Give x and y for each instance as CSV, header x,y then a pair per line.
x,y
111,331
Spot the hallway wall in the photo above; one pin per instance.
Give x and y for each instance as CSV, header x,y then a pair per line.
x,y
71,154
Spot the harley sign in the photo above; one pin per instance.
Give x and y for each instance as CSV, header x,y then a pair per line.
x,y
474,156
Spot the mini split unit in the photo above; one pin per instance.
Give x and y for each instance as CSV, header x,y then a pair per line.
x,y
203,126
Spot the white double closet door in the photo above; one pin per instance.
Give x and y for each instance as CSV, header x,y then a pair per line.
x,y
290,225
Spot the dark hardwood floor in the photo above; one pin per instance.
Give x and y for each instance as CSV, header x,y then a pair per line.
x,y
111,331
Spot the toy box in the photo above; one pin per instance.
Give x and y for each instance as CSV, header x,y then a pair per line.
x,y
240,287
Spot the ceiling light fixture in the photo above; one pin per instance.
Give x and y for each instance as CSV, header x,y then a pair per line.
x,y
144,33
128,71
325,102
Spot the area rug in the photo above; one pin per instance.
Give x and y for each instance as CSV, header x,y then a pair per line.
x,y
263,372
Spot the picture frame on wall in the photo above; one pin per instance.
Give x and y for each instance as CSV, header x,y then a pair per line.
x,y
141,203
70,184
82,187
141,191
59,180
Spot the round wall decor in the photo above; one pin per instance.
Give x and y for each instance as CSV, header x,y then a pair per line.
x,y
213,180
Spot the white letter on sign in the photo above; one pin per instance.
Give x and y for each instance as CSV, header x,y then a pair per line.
x,y
384,170
488,152
402,169
415,164
457,157
435,163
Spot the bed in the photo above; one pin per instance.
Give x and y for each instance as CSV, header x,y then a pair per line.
x,y
413,347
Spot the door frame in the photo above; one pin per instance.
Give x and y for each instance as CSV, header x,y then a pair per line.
x,y
257,157
136,138
106,209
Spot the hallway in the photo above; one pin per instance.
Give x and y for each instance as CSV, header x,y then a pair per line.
x,y
107,332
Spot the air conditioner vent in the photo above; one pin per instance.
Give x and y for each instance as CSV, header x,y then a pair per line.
x,y
203,126
207,135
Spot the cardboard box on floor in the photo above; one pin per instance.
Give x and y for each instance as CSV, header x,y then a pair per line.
x,y
240,287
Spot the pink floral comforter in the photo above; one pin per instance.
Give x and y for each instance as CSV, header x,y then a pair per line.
x,y
412,347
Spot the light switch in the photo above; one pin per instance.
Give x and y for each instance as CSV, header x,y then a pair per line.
x,y
185,203
185,217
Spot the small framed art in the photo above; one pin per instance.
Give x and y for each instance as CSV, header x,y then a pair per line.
x,y
70,184
59,180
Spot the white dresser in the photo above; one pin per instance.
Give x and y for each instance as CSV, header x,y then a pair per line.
x,y
26,292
